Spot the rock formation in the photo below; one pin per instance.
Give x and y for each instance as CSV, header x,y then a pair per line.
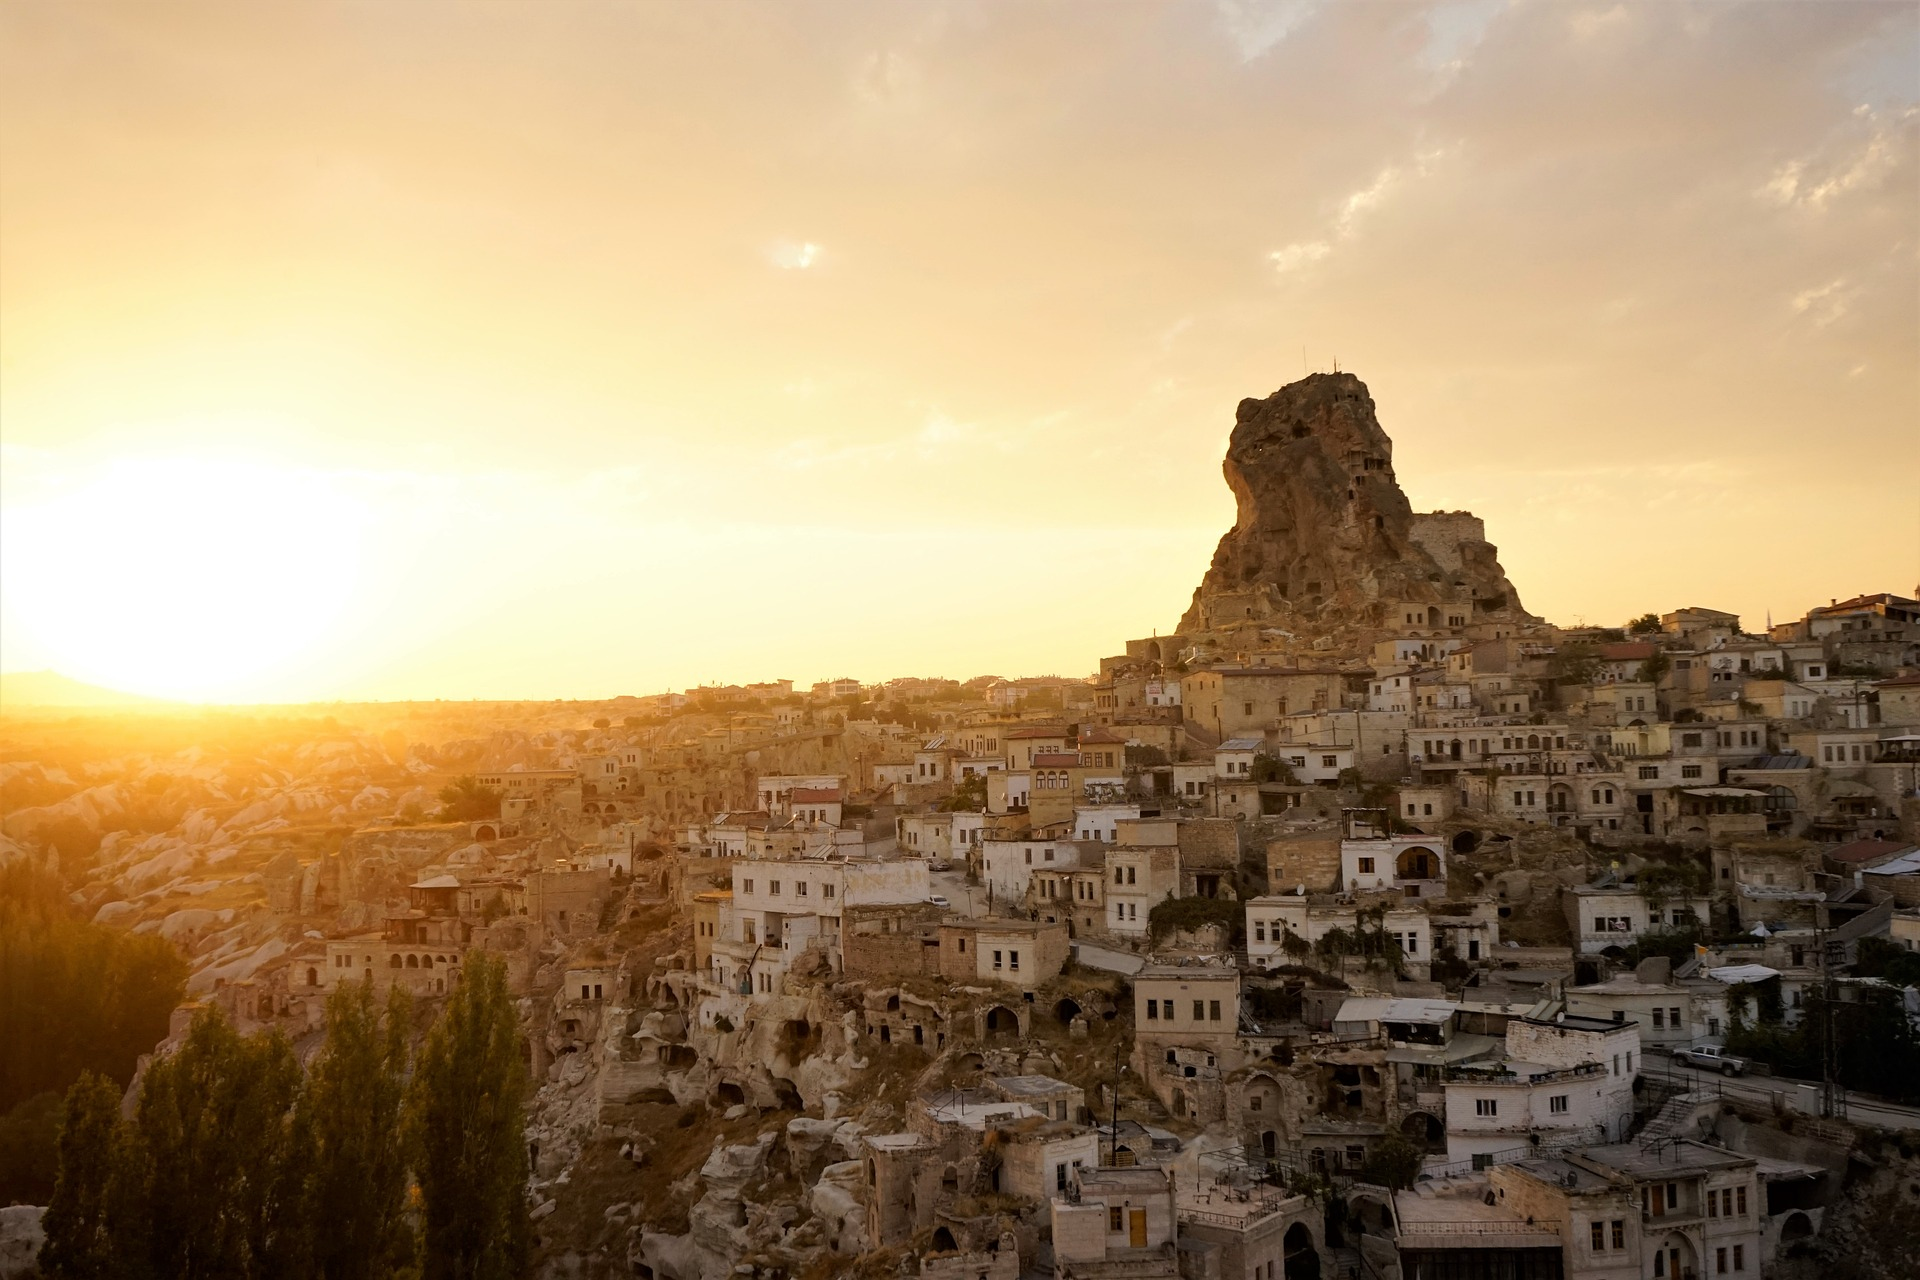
x,y
1325,543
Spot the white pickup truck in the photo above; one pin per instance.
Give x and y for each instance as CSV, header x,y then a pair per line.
x,y
1712,1058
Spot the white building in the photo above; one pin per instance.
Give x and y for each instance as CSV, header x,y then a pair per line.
x,y
1604,918
1563,1081
1416,865
1008,865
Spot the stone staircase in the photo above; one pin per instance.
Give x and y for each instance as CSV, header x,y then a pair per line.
x,y
1673,1119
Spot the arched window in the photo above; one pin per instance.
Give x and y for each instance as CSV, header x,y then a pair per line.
x,y
413,962
393,961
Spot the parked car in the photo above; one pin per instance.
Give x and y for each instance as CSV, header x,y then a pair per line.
x,y
1709,1057
939,900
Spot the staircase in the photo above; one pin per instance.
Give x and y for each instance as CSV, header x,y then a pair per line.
x,y
1668,1122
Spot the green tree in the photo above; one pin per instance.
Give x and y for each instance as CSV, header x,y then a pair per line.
x,y
1392,1162
467,1132
353,1105
81,1243
221,1192
76,996
1647,624
465,800
1654,669
1574,664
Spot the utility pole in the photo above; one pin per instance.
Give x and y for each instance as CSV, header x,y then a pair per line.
x,y
1833,1099
1113,1144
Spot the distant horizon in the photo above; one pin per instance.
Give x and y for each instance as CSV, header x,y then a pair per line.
x,y
575,341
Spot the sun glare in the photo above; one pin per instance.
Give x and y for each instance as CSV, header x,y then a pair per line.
x,y
183,578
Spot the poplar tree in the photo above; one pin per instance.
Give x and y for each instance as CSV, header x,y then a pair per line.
x,y
224,1154
468,1134
80,1238
354,1101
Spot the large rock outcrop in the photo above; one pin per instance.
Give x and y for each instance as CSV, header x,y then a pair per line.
x,y
1325,543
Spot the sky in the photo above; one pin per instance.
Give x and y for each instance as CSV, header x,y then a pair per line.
x,y
366,350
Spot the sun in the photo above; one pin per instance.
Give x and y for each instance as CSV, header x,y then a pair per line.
x,y
183,578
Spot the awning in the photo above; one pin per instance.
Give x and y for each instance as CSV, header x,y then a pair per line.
x,y
1735,973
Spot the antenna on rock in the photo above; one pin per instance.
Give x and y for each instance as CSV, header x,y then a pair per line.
x,y
1336,364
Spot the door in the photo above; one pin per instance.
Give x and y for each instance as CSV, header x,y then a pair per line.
x,y
1137,1228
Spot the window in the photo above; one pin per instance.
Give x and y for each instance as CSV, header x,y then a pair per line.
x,y
826,891
1153,1010
996,959
1659,1019
1557,1104
1689,770
1114,1222
1013,961
1213,1011
746,886
1366,866
1673,1015
1649,772
1599,1237
1119,875
1741,1194
800,889
1199,1010
1133,875
1619,1233
1486,1106
1739,1257
1259,930
1720,1261
1329,762
773,888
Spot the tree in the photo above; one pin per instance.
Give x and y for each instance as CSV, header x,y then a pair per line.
x,y
80,1242
465,800
77,996
1392,1162
353,1106
467,1134
1574,664
602,723
1654,668
1647,624
221,1191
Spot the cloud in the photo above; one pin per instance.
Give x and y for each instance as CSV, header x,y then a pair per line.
x,y
790,256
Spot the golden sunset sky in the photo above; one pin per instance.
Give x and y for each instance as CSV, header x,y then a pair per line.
x,y
387,350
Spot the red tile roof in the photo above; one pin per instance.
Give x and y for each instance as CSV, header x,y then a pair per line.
x,y
1631,651
1865,851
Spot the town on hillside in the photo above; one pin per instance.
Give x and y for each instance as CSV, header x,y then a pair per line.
x,y
1361,925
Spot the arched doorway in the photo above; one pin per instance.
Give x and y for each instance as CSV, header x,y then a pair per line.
x,y
1302,1259
1067,1010
1797,1227
313,976
1417,863
943,1241
1424,1131
728,1094
1673,1258
1466,842
1001,1021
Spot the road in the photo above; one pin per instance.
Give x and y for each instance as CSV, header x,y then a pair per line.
x,y
1802,1096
